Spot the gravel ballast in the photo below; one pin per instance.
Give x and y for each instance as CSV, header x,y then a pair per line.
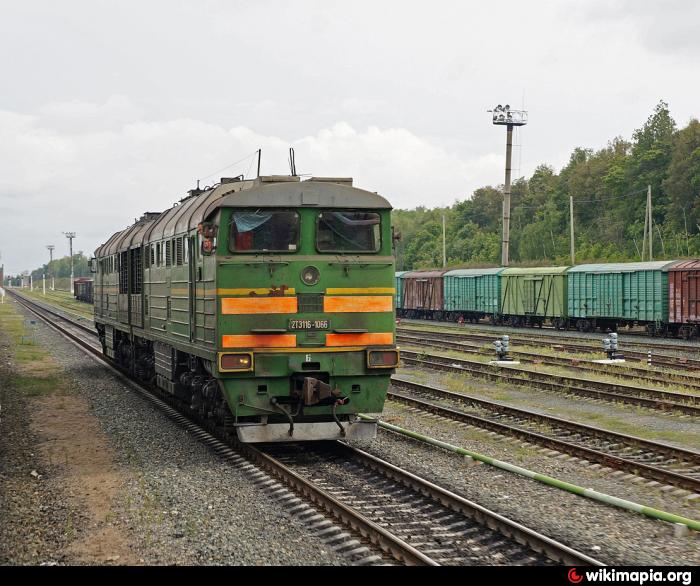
x,y
609,534
181,504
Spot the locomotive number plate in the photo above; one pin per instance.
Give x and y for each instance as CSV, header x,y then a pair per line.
x,y
309,324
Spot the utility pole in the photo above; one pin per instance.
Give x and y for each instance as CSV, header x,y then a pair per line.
x,y
444,243
646,229
43,283
651,225
505,249
571,221
504,116
50,248
70,236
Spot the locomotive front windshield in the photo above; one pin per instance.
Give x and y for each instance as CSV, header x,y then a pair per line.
x,y
348,231
264,231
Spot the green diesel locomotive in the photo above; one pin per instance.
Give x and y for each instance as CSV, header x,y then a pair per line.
x,y
265,305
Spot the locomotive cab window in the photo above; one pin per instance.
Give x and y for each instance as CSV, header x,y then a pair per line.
x,y
348,231
264,231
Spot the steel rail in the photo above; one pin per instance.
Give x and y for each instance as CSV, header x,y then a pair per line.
x,y
551,333
605,458
573,363
399,549
595,389
563,341
522,534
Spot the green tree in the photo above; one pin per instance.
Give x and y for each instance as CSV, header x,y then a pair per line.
x,y
682,183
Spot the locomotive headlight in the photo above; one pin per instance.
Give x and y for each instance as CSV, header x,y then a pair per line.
x,y
382,358
235,362
310,275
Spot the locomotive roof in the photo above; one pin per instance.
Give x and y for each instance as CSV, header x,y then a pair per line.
x,y
274,191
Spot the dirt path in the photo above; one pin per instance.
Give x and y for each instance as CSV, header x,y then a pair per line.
x,y
70,441
59,481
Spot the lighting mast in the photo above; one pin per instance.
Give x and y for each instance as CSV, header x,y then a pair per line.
x,y
50,248
70,236
504,116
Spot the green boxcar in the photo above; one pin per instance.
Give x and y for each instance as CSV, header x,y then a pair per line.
x,y
605,295
473,293
534,295
398,300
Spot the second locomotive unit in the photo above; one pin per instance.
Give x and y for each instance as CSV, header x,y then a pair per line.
x,y
266,305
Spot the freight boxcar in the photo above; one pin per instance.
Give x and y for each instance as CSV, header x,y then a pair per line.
x,y
684,298
531,296
398,286
83,289
610,295
473,294
423,294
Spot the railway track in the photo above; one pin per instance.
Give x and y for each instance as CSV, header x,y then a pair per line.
x,y
411,519
619,370
466,333
656,461
613,392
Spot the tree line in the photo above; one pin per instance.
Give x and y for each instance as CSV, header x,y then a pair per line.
x,y
609,190
58,268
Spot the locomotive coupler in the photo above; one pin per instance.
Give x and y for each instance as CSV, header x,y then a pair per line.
x,y
316,393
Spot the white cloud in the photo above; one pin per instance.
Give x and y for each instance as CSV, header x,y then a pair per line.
x,y
104,115
98,179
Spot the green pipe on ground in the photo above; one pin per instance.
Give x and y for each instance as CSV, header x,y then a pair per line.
x,y
567,486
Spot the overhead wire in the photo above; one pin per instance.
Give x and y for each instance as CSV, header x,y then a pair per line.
x,y
229,166
612,198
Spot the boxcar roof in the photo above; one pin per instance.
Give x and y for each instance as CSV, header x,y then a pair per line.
x,y
400,273
474,272
534,271
426,274
685,265
622,267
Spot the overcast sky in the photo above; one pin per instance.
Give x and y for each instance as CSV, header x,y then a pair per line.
x,y
112,108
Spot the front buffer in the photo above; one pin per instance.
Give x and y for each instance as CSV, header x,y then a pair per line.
x,y
306,396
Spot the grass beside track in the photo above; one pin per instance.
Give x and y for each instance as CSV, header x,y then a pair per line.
x,y
62,300
35,372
